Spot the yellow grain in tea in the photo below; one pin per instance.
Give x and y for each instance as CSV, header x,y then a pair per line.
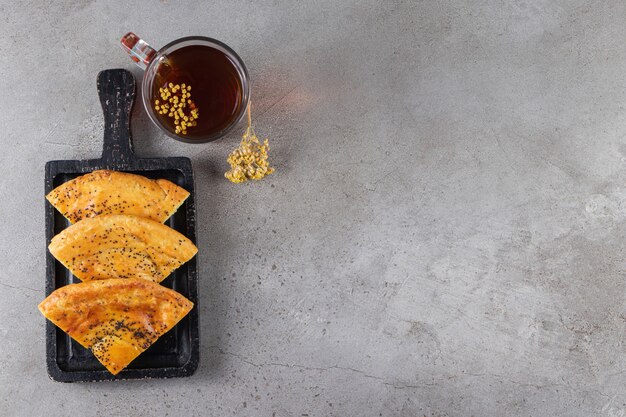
x,y
176,104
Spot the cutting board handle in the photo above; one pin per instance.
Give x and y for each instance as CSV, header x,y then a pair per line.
x,y
116,88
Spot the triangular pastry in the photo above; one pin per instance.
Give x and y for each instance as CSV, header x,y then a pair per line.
x,y
116,318
113,192
121,246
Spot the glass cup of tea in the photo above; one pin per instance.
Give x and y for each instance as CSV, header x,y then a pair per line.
x,y
195,89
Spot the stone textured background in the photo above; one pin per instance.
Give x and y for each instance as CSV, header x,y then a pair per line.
x,y
444,235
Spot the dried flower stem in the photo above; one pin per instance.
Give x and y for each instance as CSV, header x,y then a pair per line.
x,y
249,160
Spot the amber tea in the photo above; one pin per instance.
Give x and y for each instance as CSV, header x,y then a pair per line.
x,y
197,91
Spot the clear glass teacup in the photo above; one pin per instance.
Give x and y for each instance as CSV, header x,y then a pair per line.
x,y
195,89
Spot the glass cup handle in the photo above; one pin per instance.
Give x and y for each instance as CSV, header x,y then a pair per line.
x,y
138,49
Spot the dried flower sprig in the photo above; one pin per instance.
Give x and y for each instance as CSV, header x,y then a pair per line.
x,y
249,160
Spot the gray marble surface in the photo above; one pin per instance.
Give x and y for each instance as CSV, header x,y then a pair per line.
x,y
443,236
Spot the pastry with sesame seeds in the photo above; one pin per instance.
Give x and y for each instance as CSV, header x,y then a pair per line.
x,y
113,192
121,246
117,319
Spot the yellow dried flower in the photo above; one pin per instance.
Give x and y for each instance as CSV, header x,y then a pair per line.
x,y
249,160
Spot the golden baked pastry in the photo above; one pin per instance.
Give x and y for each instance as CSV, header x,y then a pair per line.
x,y
113,192
121,246
116,318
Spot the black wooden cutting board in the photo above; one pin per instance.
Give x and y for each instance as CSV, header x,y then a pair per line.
x,y
176,353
